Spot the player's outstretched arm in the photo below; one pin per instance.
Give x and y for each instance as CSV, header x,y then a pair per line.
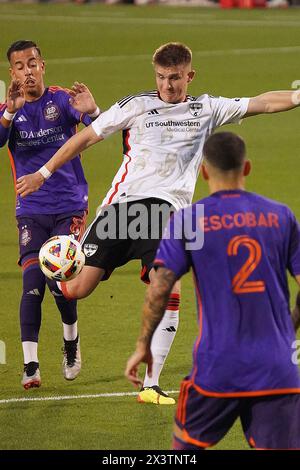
x,y
273,102
28,184
156,300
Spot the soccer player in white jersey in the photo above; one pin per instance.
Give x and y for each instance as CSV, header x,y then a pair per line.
x,y
163,135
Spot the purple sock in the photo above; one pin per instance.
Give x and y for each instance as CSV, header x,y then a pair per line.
x,y
67,308
32,297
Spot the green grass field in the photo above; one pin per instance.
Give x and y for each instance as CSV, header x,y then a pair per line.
x,y
236,53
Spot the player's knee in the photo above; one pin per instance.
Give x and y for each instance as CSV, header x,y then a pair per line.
x,y
74,290
81,292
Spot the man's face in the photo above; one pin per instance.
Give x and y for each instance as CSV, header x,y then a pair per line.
x,y
28,67
172,82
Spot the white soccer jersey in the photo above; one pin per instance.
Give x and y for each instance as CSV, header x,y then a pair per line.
x,y
163,143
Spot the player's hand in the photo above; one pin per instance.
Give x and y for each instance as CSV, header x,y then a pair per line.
x,y
28,184
142,354
82,99
15,99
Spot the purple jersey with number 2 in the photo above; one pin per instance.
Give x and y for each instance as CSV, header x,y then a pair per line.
x,y
246,339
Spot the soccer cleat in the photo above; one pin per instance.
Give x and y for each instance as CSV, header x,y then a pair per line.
x,y
71,364
154,395
31,376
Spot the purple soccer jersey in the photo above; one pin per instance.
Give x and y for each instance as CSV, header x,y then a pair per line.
x,y
38,130
245,340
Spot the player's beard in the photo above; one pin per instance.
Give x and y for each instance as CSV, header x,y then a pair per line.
x,y
34,92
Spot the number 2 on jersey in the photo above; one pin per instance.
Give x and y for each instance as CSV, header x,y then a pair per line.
x,y
240,284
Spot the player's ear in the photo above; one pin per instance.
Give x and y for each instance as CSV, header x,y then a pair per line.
x,y
204,172
191,75
43,66
247,168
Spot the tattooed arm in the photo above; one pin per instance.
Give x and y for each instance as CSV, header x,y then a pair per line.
x,y
156,300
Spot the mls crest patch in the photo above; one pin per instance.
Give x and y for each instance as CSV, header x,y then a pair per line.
x,y
196,108
89,249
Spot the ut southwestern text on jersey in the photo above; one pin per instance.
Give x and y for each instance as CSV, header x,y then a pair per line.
x,y
173,124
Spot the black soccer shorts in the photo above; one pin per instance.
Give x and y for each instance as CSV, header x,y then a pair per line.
x,y
126,231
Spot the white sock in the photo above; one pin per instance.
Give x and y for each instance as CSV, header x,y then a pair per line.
x,y
70,331
30,351
161,344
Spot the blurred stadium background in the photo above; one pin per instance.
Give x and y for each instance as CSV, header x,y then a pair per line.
x,y
109,47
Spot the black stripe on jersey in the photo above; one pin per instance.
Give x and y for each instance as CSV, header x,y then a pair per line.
x,y
125,98
128,98
191,98
138,94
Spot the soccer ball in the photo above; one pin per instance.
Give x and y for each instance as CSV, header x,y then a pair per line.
x,y
61,258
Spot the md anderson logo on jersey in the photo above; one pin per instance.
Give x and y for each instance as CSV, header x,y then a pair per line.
x,y
30,138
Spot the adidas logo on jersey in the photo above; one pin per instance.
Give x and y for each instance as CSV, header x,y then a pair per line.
x,y
21,118
154,111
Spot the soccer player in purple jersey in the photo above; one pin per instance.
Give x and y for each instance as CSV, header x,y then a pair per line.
x,y
36,121
243,362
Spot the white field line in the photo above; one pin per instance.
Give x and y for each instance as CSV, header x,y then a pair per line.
x,y
282,17
149,21
195,14
75,397
209,53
